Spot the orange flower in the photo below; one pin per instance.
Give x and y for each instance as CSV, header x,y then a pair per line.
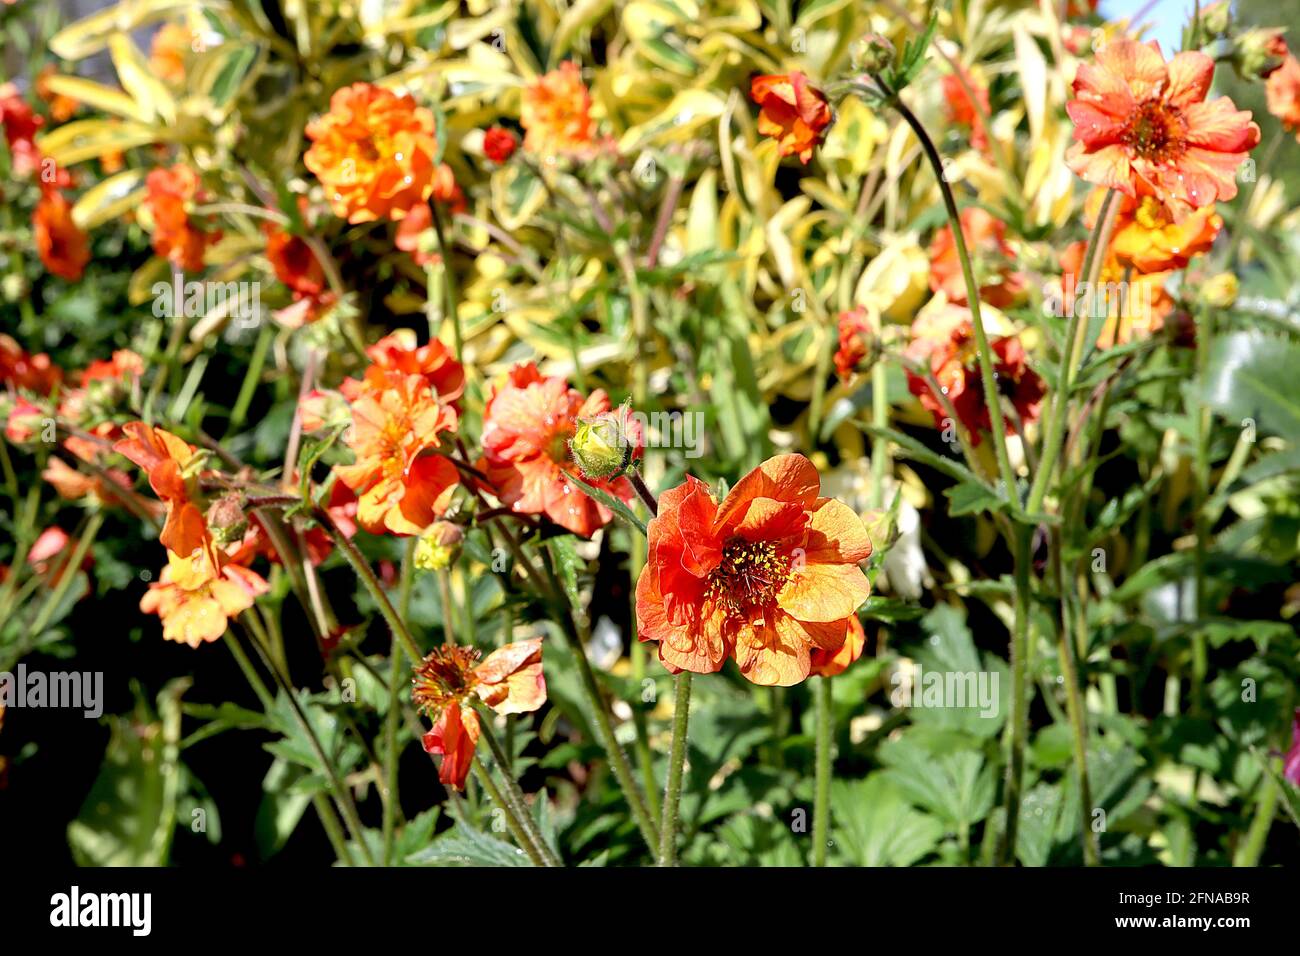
x,y
829,663
792,112
402,485
1135,307
955,367
61,107
415,235
198,593
499,144
510,681
855,334
62,245
527,426
766,577
556,114
20,369
398,352
373,152
298,268
168,50
72,485
170,193
1140,120
1149,238
964,111
1283,91
990,254
165,458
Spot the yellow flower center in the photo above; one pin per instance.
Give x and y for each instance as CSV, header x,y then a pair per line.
x,y
1150,213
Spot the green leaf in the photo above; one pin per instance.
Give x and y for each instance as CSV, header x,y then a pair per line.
x,y
1253,375
612,503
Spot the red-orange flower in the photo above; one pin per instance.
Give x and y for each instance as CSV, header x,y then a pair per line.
x,y
854,337
555,112
766,577
402,484
297,267
62,245
963,110
1140,120
20,124
527,425
171,193
499,144
991,254
828,663
61,106
1135,306
1283,91
955,367
792,112
373,152
510,681
20,369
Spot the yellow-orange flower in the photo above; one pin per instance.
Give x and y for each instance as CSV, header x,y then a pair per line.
x,y
401,483
1142,122
60,105
1148,237
166,459
373,152
555,113
791,111
198,593
1135,307
62,245
766,576
168,51
509,680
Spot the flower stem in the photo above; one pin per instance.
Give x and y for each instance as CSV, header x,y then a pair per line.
x,y
515,796
449,281
676,763
822,794
512,820
1054,432
638,483
367,575
987,376
1017,725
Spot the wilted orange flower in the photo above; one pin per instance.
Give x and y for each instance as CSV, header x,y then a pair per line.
x,y
854,335
555,113
990,253
955,367
373,152
401,483
1140,120
24,421
170,194
61,107
165,459
62,245
415,235
792,112
964,111
73,485
527,426
298,268
168,51
197,594
1148,237
510,681
1283,92
766,577
1136,303
499,144
20,369
827,663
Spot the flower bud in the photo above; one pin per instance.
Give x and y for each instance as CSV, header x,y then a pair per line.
x,y
1220,291
604,446
1216,18
226,520
1259,52
323,409
872,53
24,422
438,546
